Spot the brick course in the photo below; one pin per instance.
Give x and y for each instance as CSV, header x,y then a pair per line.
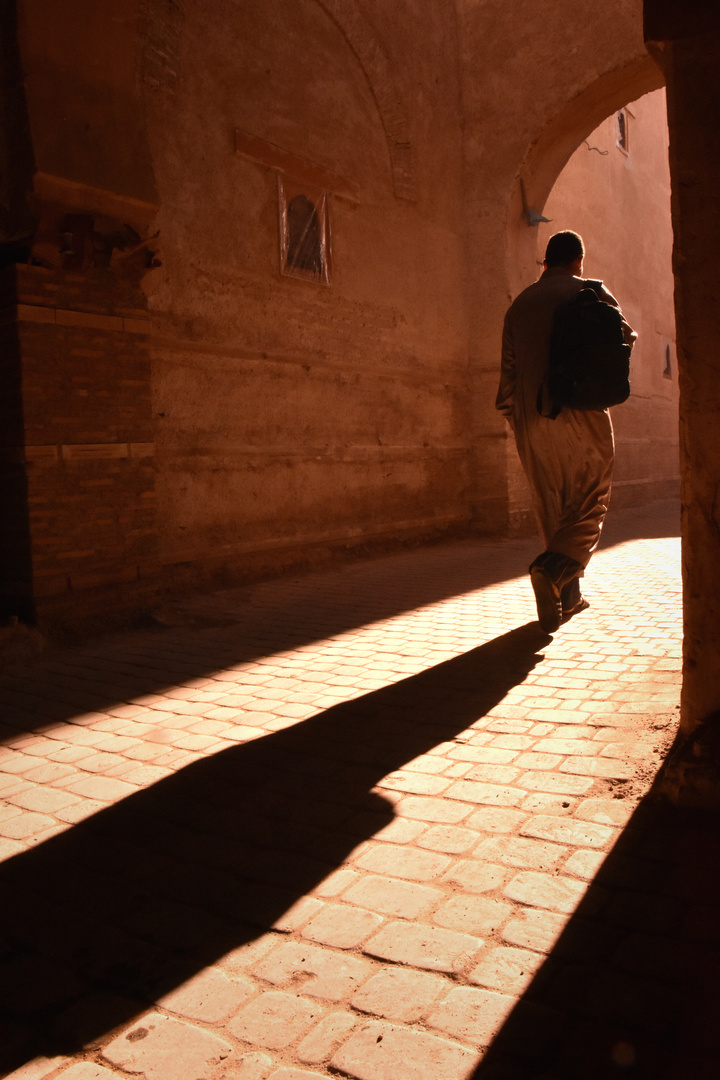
x,y
87,440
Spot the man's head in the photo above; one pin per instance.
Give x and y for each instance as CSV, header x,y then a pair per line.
x,y
565,249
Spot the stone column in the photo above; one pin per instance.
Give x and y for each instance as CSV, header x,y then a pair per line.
x,y
685,40
78,534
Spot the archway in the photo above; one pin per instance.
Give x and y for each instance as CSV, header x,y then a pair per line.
x,y
615,191
543,164
618,198
552,149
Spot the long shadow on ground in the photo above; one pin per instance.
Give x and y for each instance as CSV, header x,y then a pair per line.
x,y
248,623
98,922
631,987
242,626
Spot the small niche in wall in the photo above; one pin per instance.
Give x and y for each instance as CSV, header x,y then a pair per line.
x,y
304,230
668,359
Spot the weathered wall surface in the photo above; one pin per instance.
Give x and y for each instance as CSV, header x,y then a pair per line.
x,y
85,111
620,203
288,412
291,414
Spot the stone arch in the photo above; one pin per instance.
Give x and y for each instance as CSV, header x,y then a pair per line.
x,y
364,43
548,155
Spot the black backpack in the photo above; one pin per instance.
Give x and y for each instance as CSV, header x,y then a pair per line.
x,y
589,364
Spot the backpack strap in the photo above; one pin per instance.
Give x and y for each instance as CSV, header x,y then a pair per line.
x,y
596,286
545,406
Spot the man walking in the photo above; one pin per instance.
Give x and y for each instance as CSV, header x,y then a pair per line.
x,y
568,460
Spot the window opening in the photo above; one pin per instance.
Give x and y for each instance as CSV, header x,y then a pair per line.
x,y
304,231
304,251
621,129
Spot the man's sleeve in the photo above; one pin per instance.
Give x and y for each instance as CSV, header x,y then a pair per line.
x,y
628,333
505,400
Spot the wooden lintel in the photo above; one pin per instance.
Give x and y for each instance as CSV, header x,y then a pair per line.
x,y
274,157
84,197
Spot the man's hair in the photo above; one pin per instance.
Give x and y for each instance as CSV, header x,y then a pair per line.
x,y
564,248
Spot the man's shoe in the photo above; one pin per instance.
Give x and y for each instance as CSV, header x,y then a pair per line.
x,y
570,594
547,598
582,605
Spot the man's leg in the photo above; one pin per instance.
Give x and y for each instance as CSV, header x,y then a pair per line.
x,y
569,463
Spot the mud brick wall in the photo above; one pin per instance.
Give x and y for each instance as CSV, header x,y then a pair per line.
x,y
15,564
84,429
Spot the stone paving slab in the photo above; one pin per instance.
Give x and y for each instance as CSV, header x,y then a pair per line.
x,y
369,822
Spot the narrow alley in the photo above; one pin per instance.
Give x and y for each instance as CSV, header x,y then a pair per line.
x,y
366,821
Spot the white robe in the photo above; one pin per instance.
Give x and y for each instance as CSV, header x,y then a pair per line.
x,y
569,460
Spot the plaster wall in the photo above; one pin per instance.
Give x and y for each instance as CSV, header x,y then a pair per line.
x,y
84,106
291,413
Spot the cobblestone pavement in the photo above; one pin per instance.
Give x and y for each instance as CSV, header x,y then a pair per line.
x,y
367,822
